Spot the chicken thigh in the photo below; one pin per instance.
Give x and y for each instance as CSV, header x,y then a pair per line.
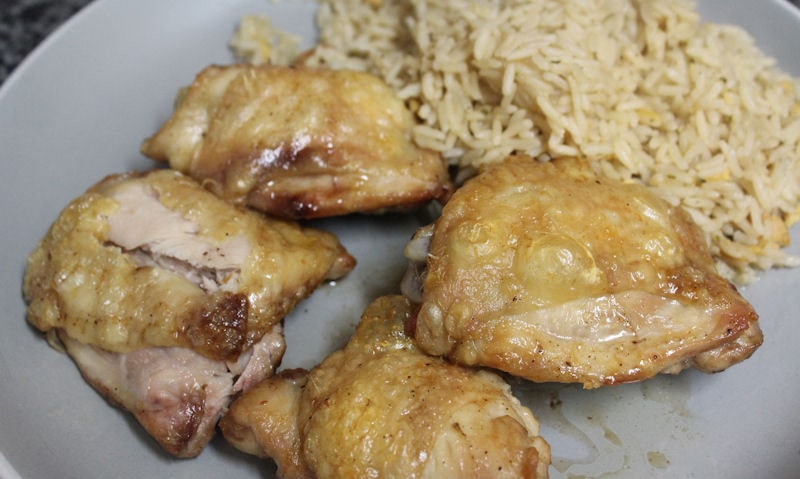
x,y
382,408
553,273
169,299
299,142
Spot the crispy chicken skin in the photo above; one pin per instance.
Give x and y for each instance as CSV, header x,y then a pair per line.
x,y
552,273
169,300
155,260
299,142
382,408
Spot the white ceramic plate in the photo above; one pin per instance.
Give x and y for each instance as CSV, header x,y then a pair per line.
x,y
77,110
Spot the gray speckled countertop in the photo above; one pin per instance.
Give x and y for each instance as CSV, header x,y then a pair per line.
x,y
25,23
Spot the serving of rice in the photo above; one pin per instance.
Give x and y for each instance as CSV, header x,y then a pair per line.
x,y
643,89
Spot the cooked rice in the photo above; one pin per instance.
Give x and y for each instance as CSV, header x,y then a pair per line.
x,y
257,41
642,89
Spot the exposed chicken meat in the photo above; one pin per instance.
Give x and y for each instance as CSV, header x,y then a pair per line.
x,y
258,362
176,394
382,408
161,237
550,272
299,142
169,299
416,251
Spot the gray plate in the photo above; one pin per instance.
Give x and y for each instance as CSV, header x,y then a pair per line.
x,y
77,110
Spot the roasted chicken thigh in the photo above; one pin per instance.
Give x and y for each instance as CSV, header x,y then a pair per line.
x,y
299,142
382,408
553,273
170,299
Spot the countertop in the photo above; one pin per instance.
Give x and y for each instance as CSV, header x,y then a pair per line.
x,y
25,23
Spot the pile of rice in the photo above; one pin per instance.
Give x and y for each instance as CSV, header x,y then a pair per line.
x,y
643,89
258,42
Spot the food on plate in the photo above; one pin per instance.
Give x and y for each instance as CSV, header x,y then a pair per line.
x,y
155,260
175,393
645,88
382,408
299,142
169,299
552,272
258,41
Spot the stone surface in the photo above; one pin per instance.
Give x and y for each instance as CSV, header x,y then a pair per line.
x,y
25,23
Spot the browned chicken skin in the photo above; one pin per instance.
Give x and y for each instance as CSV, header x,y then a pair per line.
x,y
169,299
551,273
382,408
154,260
299,142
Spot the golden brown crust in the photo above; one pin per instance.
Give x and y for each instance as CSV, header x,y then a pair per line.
x,y
216,282
380,407
553,273
299,142
263,422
